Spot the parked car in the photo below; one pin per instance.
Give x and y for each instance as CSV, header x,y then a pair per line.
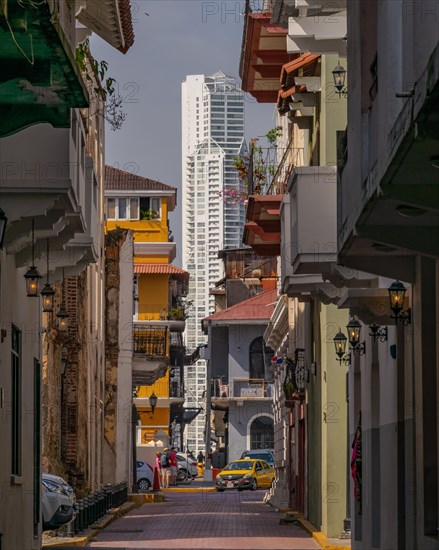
x,y
145,476
57,502
188,464
261,454
247,473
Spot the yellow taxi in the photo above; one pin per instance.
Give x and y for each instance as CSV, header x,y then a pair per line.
x,y
247,473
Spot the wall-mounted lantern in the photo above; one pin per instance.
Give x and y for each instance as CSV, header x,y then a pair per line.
x,y
339,74
396,296
32,275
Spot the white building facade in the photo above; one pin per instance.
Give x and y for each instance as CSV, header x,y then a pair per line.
x,y
212,135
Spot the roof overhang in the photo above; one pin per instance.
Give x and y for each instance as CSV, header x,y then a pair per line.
x,y
263,228
109,19
162,269
156,249
262,56
40,78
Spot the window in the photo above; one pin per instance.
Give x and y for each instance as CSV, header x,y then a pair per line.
x,y
133,208
150,208
122,209
111,209
262,433
16,401
260,360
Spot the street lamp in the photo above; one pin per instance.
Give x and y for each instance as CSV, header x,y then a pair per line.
x,y
354,328
32,275
62,315
396,296
339,74
340,348
47,293
153,402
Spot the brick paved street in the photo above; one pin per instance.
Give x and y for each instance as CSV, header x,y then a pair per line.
x,y
232,521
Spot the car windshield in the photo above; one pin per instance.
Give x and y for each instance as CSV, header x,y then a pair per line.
x,y
244,465
262,456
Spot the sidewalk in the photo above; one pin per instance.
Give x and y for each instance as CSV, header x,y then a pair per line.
x,y
324,542
198,485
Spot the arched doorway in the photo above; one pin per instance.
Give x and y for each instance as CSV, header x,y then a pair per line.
x,y
262,433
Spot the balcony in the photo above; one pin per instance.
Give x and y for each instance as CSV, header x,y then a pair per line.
x,y
312,239
318,27
242,388
40,79
388,199
61,190
262,54
150,359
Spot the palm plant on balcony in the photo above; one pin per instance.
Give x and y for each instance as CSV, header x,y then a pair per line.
x,y
289,388
255,170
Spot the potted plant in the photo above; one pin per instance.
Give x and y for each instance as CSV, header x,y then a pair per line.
x,y
289,389
176,313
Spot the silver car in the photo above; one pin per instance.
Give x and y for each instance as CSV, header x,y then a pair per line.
x,y
58,502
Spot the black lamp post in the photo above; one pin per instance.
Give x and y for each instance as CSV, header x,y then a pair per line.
x,y
339,74
32,275
396,296
3,222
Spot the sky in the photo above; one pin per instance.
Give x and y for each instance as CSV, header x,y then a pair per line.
x,y
175,39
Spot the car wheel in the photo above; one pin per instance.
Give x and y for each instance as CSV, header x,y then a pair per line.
x,y
182,475
220,490
254,485
143,484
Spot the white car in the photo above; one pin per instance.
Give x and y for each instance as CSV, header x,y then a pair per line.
x,y
145,476
57,502
188,464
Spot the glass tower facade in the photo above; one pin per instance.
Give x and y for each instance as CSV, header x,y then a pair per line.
x,y
212,135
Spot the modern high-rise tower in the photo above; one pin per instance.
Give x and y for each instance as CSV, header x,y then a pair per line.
x,y
212,135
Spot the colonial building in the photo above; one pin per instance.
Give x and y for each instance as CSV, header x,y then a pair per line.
x,y
294,217
388,224
51,155
242,384
158,290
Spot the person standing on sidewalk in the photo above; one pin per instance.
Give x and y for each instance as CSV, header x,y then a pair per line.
x,y
158,465
174,464
166,467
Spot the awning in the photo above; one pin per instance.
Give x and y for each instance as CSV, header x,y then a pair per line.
x,y
40,80
162,269
111,20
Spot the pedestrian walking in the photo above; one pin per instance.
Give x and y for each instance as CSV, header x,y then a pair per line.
x,y
166,467
158,465
174,464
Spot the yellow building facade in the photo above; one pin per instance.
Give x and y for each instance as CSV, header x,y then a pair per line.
x,y
143,206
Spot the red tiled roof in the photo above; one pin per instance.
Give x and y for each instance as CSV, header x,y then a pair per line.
x,y
126,181
260,307
159,269
127,25
302,61
119,180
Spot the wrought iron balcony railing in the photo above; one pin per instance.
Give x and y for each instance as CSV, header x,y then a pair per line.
x,y
150,340
242,388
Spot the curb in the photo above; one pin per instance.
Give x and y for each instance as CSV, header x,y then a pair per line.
x,y
189,490
83,540
318,536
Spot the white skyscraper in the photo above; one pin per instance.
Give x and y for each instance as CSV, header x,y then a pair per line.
x,y
212,135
